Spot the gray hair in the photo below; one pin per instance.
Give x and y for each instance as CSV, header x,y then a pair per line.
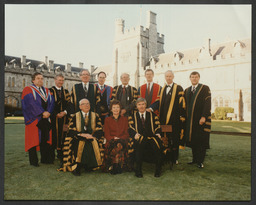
x,y
59,75
80,102
80,73
125,74
141,100
168,72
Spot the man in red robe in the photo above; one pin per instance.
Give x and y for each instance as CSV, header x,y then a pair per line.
x,y
149,90
37,105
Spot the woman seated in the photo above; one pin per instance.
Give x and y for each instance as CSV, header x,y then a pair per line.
x,y
116,134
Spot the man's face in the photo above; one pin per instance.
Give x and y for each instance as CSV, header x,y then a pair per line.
x,y
141,106
85,76
101,78
149,76
194,79
169,78
125,79
59,81
39,80
85,106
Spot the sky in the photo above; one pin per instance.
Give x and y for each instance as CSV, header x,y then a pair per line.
x,y
85,33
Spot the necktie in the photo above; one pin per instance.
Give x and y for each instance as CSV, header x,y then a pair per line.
x,y
168,91
101,87
124,90
59,93
85,90
143,120
86,119
148,88
194,89
41,91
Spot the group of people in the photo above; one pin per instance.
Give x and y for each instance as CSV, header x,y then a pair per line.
x,y
116,129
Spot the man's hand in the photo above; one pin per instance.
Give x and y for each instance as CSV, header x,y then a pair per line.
x,y
123,111
87,136
137,136
149,110
61,115
46,114
202,120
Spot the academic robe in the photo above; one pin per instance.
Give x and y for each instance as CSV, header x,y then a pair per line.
x,y
131,97
198,105
80,150
105,97
152,96
78,93
148,135
171,109
32,107
60,104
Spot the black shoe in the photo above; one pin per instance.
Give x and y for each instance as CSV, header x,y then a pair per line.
x,y
200,165
190,163
76,172
171,165
35,165
139,175
157,173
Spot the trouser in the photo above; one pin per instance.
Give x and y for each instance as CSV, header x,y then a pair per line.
x,y
45,154
198,153
173,145
147,151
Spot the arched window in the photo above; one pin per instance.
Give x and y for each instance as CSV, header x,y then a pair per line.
x,y
23,83
9,81
227,102
221,101
13,82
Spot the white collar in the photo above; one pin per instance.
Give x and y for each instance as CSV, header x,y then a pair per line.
x,y
126,86
57,88
144,114
170,84
194,86
101,85
85,84
150,84
84,114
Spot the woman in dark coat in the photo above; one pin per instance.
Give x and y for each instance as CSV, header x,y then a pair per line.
x,y
116,134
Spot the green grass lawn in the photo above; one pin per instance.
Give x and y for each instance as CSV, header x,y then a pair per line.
x,y
226,176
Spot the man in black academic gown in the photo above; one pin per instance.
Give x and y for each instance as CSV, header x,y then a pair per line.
x,y
105,96
84,90
59,116
144,130
198,124
83,145
171,107
126,94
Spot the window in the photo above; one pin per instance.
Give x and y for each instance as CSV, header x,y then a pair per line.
x,y
221,101
13,82
24,83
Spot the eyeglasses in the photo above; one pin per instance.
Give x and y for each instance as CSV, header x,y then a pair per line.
x,y
85,104
84,75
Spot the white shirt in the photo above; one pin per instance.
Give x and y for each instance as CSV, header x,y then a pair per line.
x,y
57,88
126,86
150,85
144,115
86,85
41,90
169,88
100,86
85,114
194,86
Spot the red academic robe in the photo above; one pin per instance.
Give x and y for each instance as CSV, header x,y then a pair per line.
x,y
31,101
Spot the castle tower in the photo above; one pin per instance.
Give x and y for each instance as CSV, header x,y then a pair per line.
x,y
133,47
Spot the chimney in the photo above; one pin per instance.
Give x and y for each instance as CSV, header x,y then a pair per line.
x,y
50,67
208,46
81,65
46,60
23,62
68,67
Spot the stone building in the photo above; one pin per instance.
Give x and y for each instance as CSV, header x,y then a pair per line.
x,y
225,67
18,73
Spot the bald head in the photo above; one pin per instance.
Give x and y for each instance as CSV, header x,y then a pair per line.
x,y
169,77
